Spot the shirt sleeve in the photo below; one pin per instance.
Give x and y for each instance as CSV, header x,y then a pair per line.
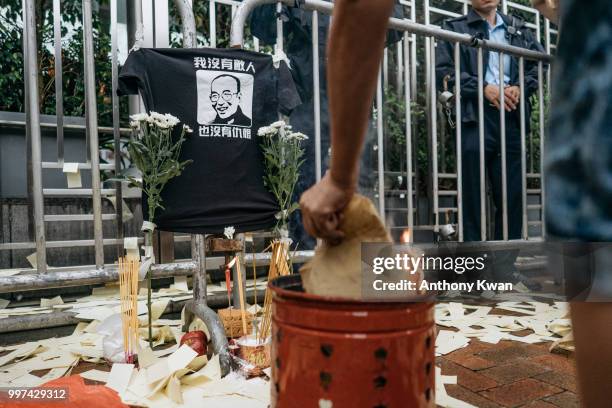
x,y
286,91
132,76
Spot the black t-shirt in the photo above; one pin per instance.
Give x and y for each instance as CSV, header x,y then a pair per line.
x,y
224,95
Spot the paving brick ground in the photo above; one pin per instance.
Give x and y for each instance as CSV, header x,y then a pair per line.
x,y
511,374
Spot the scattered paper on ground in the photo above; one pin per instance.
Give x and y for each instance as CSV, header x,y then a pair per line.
x,y
176,377
547,323
442,398
95,375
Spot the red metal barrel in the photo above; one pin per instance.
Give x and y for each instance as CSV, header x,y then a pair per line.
x,y
334,353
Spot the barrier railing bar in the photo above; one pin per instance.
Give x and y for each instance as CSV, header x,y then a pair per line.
x,y
481,143
538,26
31,80
61,244
413,53
63,277
504,159
228,3
316,94
519,6
385,68
245,8
523,149
212,23
428,79
59,91
443,12
101,129
541,124
399,80
408,100
91,112
458,123
116,133
279,46
380,147
434,130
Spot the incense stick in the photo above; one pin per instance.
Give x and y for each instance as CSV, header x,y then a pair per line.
x,y
241,295
128,292
254,277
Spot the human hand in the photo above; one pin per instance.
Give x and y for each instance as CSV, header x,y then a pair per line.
x,y
322,206
491,92
512,96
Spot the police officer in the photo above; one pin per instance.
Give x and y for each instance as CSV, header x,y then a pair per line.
x,y
484,21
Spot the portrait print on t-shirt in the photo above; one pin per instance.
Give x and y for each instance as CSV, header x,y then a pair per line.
x,y
225,100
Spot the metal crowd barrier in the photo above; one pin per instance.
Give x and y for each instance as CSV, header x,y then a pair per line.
x,y
407,79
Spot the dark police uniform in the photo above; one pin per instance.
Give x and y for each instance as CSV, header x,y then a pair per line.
x,y
517,35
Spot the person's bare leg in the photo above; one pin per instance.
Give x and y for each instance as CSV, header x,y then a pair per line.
x,y
592,328
354,53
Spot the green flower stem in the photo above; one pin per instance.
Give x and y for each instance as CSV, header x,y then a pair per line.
x,y
149,241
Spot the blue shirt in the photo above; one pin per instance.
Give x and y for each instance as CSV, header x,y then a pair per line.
x,y
497,34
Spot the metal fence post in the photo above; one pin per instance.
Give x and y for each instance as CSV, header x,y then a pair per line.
x,y
91,111
59,94
524,218
502,119
541,125
408,99
316,94
380,144
458,123
31,61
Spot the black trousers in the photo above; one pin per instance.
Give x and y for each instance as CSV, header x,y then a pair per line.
x,y
493,165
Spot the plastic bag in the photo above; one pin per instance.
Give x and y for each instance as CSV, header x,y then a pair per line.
x,y
112,342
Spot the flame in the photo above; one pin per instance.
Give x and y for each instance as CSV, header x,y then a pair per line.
x,y
406,236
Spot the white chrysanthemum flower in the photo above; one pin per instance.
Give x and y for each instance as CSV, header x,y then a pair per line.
x,y
229,232
135,124
157,116
171,120
278,124
187,129
267,131
299,136
139,117
162,124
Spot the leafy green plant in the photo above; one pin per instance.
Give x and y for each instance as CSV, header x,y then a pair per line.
x,y
533,148
394,112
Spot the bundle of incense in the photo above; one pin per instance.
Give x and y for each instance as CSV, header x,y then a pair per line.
x,y
279,266
128,291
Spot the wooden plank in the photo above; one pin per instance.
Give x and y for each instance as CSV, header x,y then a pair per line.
x,y
166,246
223,245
